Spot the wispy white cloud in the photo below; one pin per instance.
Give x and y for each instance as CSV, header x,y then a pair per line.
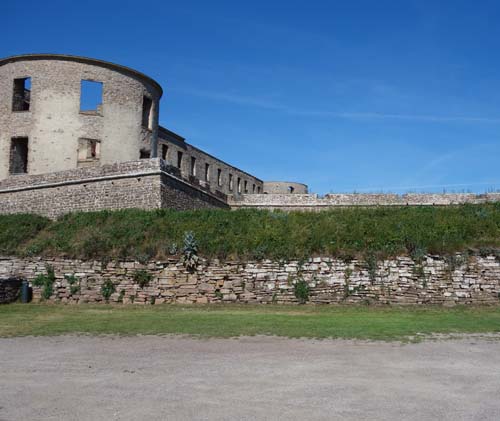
x,y
268,104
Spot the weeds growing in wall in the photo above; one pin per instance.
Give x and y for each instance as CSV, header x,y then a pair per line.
x,y
46,282
142,278
301,290
107,289
74,284
253,234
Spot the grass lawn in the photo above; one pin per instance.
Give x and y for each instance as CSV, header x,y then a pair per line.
x,y
375,323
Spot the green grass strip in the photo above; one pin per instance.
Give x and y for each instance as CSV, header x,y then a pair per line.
x,y
225,321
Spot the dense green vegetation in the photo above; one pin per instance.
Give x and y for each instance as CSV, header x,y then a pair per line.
x,y
388,323
15,230
381,231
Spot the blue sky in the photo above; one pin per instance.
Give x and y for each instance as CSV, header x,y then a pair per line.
x,y
347,95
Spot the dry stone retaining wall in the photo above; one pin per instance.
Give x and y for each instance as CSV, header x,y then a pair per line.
x,y
451,281
10,289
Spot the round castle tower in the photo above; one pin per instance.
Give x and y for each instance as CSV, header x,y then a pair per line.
x,y
284,187
60,112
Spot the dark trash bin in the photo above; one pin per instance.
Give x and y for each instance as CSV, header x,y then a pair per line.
x,y
25,292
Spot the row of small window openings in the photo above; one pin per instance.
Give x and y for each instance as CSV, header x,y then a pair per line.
x,y
164,153
255,189
90,98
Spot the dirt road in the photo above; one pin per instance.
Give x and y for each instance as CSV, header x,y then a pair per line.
x,y
171,378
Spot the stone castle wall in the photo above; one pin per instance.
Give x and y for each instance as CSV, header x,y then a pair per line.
x,y
437,280
144,184
312,202
203,169
54,124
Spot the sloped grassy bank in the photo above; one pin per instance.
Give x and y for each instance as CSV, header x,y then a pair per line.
x,y
254,234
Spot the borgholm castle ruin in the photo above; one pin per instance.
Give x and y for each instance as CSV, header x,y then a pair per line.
x,y
80,134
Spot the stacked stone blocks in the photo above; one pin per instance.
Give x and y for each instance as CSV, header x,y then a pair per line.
x,y
398,281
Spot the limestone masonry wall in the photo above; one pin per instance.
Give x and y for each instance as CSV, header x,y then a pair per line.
x,y
312,202
437,280
144,184
10,290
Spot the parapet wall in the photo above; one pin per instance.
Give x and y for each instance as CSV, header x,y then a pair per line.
x,y
144,184
436,280
312,202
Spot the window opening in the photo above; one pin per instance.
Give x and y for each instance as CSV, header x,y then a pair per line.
x,y
147,105
89,152
164,152
179,159
18,155
91,97
207,172
21,95
193,166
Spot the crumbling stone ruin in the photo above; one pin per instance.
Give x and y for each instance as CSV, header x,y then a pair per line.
x,y
82,134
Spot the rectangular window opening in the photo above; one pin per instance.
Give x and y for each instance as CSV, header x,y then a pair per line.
x,y
219,177
164,152
258,189
253,188
91,97
193,166
89,152
207,172
18,155
22,94
147,105
245,188
179,159
239,185
230,181
144,154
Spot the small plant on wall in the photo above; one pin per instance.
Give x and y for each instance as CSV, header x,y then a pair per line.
x,y
46,282
190,252
142,278
301,291
74,284
107,289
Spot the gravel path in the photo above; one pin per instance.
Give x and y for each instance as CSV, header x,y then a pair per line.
x,y
172,378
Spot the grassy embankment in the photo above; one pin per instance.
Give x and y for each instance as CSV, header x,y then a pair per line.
x,y
383,231
232,320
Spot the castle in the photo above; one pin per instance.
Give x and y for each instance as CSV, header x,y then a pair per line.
x,y
80,134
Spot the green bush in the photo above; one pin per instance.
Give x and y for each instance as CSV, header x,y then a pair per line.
x,y
74,284
301,291
46,282
142,278
107,289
